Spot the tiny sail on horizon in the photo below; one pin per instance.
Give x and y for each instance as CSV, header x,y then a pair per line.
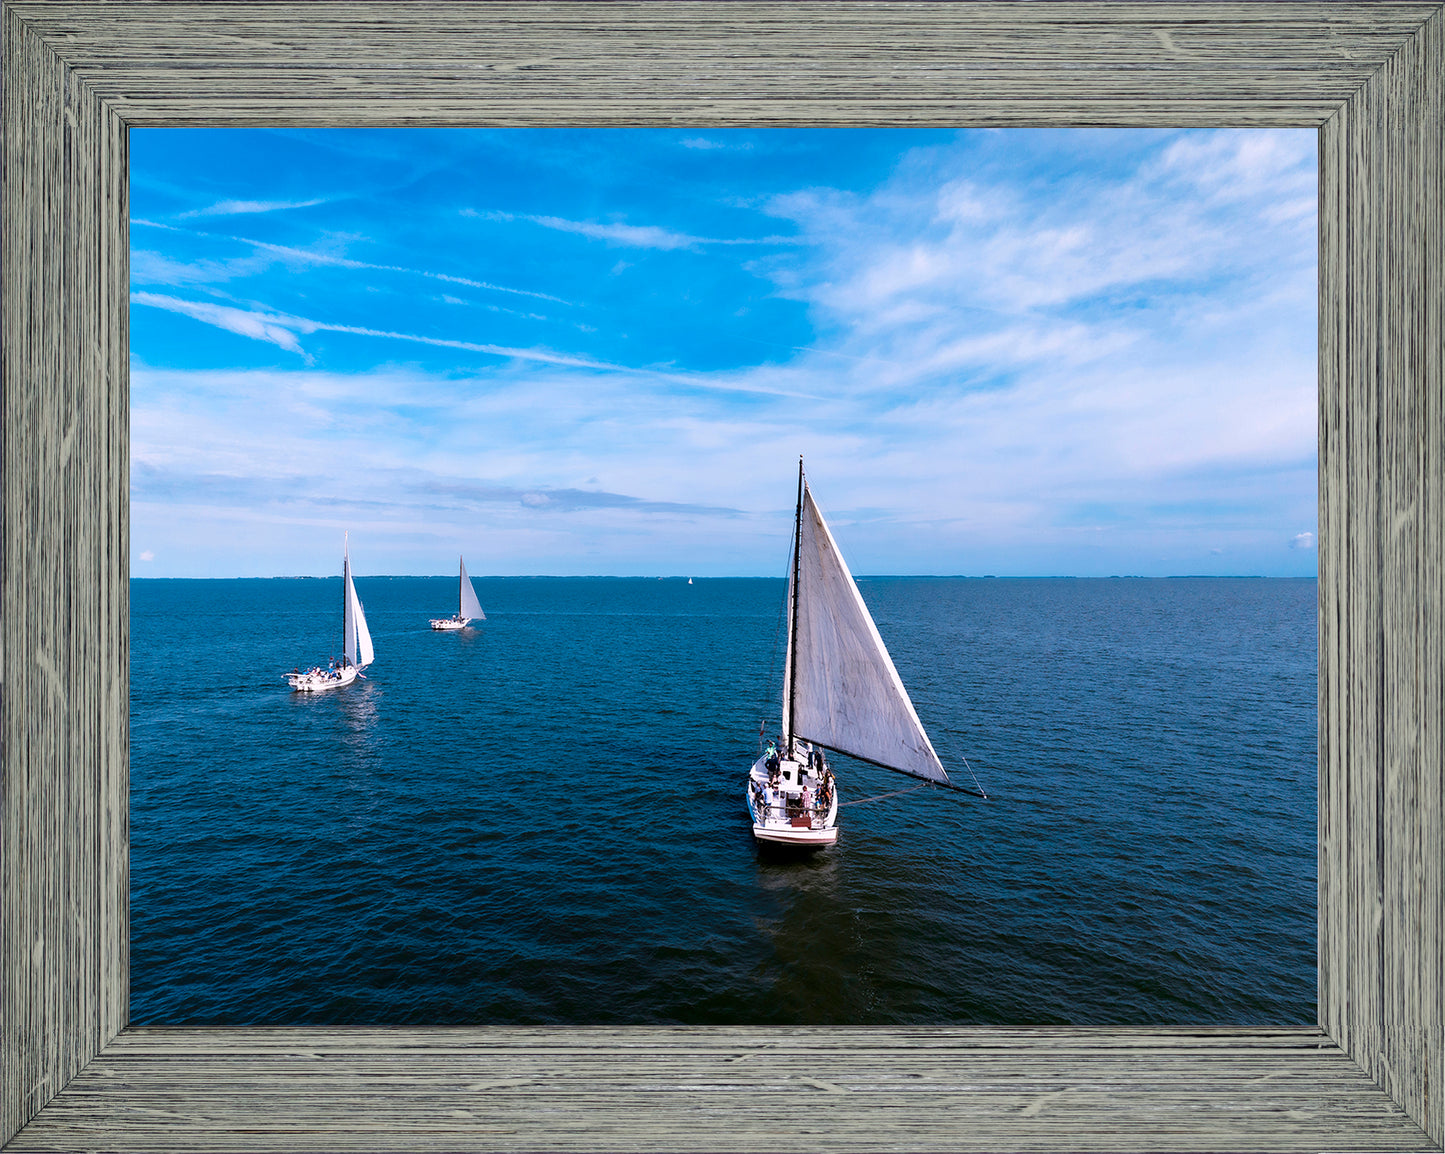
x,y
841,689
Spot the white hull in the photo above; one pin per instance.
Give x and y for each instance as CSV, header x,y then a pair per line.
x,y
803,838
782,825
450,623
320,680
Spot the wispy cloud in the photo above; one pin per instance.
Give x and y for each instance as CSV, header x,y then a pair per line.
x,y
1201,210
633,236
630,235
1274,168
404,492
301,256
243,207
276,330
280,329
469,494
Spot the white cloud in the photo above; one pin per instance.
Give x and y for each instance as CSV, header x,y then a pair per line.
x,y
1206,206
152,268
1237,166
276,330
239,207
281,329
631,235
313,256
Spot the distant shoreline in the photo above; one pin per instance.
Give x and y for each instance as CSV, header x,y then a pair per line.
x,y
750,577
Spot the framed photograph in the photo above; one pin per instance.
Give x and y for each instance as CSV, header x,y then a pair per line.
x,y
74,1074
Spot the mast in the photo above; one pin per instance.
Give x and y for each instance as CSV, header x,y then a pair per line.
x,y
461,580
345,592
793,621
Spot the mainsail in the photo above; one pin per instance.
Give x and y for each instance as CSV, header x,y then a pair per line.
x,y
356,637
470,606
840,688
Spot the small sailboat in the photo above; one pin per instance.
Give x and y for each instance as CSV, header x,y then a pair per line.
x,y
356,648
841,692
468,606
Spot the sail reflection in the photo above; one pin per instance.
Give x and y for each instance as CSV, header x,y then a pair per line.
x,y
359,709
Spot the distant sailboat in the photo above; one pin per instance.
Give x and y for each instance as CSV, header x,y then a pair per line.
x,y
356,648
468,606
840,692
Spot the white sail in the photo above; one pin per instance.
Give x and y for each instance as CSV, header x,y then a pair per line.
x,y
365,655
470,606
356,636
845,694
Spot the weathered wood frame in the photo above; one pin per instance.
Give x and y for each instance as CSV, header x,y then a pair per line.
x,y
77,75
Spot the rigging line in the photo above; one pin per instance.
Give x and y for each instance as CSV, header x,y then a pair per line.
x,y
778,626
979,792
907,773
975,777
881,796
794,594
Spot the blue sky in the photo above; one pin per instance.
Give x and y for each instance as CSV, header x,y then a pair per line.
x,y
563,351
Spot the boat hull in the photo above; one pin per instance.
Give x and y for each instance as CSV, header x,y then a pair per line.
x,y
319,681
447,624
811,831
801,838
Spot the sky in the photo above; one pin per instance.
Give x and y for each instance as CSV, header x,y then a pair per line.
x,y
563,351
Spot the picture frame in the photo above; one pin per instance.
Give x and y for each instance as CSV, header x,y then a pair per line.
x,y
78,74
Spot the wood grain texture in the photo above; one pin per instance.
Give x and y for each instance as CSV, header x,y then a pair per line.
x,y
1382,577
77,74
722,1089
64,661
685,62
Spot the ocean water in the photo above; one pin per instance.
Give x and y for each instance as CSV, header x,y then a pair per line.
x,y
541,820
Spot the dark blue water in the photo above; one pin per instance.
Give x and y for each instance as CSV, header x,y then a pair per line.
x,y
541,820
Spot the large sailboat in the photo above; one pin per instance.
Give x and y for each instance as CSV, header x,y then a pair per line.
x,y
468,606
356,648
841,692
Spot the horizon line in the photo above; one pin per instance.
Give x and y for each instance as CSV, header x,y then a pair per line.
x,y
753,577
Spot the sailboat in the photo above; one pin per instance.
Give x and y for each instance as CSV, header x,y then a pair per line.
x,y
355,642
841,692
467,605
